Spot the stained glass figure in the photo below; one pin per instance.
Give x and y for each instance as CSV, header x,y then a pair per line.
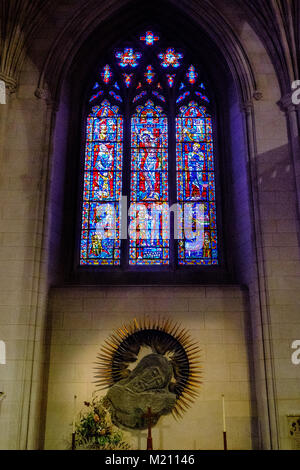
x,y
128,58
94,97
192,75
149,38
106,74
170,58
115,96
149,75
198,243
170,79
116,85
127,79
183,96
100,235
149,236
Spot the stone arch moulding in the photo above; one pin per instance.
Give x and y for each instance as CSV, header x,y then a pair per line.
x,y
208,19
88,18
19,23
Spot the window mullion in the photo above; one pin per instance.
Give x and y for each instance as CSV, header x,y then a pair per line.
x,y
126,179
172,179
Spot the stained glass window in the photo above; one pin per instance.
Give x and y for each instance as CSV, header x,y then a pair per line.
x,y
170,58
100,235
160,97
192,75
106,74
171,80
201,96
127,79
149,75
139,96
165,111
149,38
149,238
94,97
196,187
128,58
115,96
182,97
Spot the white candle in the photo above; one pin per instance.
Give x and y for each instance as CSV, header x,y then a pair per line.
x,y
224,417
74,413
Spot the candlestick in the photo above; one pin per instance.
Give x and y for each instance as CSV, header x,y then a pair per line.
x,y
74,424
74,414
224,424
224,417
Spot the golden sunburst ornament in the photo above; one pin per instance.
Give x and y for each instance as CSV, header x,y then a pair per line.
x,y
164,337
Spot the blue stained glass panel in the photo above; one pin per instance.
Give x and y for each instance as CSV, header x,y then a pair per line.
x,y
102,192
198,242
149,236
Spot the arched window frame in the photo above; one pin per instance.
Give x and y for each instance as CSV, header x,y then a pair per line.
x,y
173,272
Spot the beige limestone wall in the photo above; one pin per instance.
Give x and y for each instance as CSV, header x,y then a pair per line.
x,y
275,299
82,318
23,127
281,255
278,260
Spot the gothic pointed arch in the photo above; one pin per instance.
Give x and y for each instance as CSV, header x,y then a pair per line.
x,y
169,151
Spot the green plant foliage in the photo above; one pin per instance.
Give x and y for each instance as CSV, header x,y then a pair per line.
x,y
95,430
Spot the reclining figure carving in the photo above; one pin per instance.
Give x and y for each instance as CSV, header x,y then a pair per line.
x,y
147,386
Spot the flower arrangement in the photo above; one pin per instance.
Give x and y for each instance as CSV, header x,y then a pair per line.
x,y
95,430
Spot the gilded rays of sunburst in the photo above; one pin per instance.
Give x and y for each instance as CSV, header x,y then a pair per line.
x,y
163,336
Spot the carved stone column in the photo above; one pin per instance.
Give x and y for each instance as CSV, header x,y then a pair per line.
x,y
292,112
10,83
19,21
260,313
